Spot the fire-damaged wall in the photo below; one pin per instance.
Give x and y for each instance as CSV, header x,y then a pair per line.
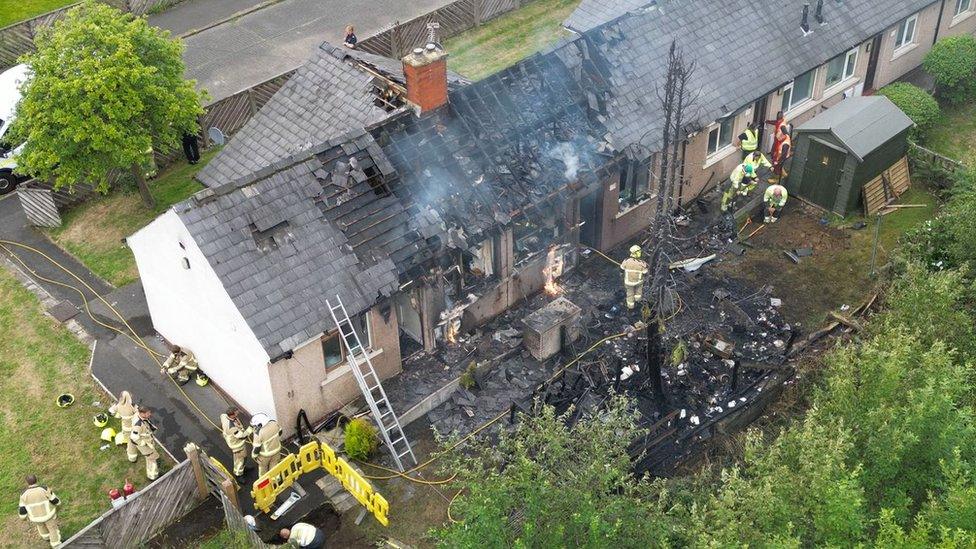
x,y
304,382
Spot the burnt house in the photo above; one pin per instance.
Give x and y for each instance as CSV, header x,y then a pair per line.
x,y
440,203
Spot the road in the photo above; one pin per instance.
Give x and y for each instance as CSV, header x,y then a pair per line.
x,y
234,55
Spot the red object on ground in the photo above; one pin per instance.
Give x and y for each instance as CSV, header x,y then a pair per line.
x,y
114,494
128,489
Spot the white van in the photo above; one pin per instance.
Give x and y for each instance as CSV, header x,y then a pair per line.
x,y
10,82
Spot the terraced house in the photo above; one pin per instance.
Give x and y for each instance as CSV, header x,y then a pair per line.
x,y
431,204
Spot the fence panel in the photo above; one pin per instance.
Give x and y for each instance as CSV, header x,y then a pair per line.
x,y
39,206
147,512
491,9
228,114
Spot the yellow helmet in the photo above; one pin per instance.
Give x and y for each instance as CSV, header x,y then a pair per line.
x,y
65,400
635,251
108,434
202,379
100,419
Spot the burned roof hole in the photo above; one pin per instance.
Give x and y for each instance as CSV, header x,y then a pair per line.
x,y
386,97
272,237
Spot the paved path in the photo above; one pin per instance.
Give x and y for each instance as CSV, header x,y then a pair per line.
x,y
235,55
118,362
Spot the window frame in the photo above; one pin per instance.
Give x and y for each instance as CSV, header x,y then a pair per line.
x,y
791,89
901,41
718,126
960,10
333,335
365,332
847,70
635,183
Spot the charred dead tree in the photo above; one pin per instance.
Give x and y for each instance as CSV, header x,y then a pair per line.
x,y
677,100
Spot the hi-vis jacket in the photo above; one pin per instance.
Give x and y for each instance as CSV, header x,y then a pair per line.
x,y
634,271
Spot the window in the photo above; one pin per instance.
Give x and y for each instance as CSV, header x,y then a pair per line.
x,y
331,350
720,136
906,31
798,91
962,6
841,67
334,352
634,181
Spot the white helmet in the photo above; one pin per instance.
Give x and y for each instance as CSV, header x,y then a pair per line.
x,y
259,419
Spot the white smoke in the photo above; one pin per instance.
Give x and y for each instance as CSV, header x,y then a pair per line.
x,y
565,153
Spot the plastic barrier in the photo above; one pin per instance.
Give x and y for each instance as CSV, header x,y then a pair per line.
x,y
310,457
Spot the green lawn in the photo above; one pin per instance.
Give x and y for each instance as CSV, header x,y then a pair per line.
x,y
955,135
13,11
93,232
504,41
39,359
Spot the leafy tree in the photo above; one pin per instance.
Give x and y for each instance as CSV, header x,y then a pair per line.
x,y
548,485
921,107
106,89
952,62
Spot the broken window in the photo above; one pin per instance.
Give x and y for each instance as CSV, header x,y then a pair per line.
x,y
634,182
533,237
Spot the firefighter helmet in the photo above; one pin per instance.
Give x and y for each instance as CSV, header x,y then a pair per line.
x,y
108,434
100,419
65,400
635,251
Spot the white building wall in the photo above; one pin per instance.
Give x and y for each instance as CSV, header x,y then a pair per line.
x,y
191,308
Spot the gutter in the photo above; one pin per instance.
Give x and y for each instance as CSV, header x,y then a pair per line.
x,y
938,23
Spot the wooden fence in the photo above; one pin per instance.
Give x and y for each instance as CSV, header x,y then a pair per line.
x,y
935,159
162,503
42,204
18,38
145,514
453,18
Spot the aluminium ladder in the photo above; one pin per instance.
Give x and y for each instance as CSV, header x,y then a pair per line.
x,y
369,383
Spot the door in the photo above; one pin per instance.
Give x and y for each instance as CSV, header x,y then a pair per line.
x,y
408,316
590,217
759,119
822,174
873,64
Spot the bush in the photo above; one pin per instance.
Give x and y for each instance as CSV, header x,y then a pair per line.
x,y
361,439
952,62
921,107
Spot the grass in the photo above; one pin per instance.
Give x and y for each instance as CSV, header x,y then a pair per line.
x,y
955,135
505,40
14,11
839,271
226,539
93,231
39,359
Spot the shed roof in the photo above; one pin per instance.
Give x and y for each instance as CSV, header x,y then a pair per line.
x,y
862,124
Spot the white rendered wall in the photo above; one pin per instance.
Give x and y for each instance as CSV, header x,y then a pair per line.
x,y
190,308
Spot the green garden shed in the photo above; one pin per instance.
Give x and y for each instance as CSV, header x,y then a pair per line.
x,y
852,156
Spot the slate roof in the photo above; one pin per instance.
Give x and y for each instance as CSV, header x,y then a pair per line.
x,y
331,94
634,49
280,256
503,146
324,99
862,124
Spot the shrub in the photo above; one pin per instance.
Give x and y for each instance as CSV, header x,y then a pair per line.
x,y
921,107
952,62
467,379
361,439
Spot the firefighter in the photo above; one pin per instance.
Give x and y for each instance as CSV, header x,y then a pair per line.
x,y
634,270
743,181
757,159
749,140
266,448
40,505
142,437
126,411
782,153
181,363
774,199
236,437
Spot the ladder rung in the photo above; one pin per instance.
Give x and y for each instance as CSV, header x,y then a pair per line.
x,y
397,441
387,413
407,453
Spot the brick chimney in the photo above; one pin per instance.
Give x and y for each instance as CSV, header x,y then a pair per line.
x,y
425,70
